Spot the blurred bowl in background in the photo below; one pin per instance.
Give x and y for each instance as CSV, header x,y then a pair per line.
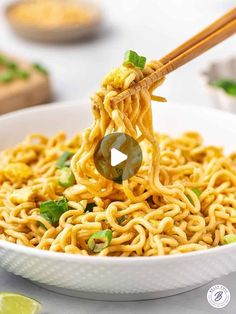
x,y
221,70
67,21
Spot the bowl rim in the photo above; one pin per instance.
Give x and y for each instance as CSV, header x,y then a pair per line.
x,y
34,252
71,105
85,104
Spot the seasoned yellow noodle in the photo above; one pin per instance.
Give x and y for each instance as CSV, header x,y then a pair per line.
x,y
161,214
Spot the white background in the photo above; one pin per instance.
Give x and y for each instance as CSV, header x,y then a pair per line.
x,y
153,28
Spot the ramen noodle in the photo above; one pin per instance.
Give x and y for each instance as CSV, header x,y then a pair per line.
x,y
182,199
51,13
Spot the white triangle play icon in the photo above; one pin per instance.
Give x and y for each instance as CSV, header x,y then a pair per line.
x,y
117,157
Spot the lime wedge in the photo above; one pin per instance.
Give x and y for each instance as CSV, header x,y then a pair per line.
x,y
12,303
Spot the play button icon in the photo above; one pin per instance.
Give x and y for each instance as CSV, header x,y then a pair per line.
x,y
118,157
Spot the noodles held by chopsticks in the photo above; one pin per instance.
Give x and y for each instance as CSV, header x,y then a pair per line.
x,y
182,199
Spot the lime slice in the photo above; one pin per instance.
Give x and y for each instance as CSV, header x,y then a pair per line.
x,y
12,303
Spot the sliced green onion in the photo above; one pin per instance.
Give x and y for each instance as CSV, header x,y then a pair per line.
x,y
11,65
142,62
229,86
61,163
22,74
230,238
7,77
52,210
10,75
12,72
197,192
89,207
66,178
40,68
7,63
100,240
132,58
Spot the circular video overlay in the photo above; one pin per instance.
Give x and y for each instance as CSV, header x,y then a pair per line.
x,y
118,157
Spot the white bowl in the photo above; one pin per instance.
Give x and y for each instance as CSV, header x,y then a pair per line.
x,y
118,278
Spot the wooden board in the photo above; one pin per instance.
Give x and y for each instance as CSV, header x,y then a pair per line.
x,y
22,93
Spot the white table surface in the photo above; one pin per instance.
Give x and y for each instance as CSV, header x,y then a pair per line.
x,y
152,28
192,302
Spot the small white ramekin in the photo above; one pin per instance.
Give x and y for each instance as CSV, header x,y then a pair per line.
x,y
221,70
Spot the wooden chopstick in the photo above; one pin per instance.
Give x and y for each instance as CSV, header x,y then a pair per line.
x,y
197,45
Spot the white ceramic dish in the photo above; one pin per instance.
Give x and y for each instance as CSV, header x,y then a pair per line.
x,y
116,278
221,70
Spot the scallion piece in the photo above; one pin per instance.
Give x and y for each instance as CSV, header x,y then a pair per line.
x,y
229,86
89,207
230,238
11,65
7,63
142,62
11,74
6,76
100,240
22,74
40,68
66,178
197,192
52,210
132,58
61,163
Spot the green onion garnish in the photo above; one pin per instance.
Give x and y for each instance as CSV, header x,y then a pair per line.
x,y
52,210
141,62
230,238
7,76
66,178
11,65
11,74
132,58
61,163
229,86
40,68
100,240
197,192
22,74
8,63
89,207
